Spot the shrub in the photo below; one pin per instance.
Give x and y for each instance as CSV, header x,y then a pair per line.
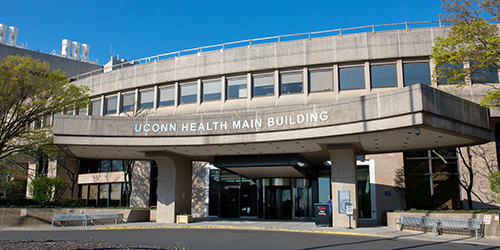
x,y
45,189
14,190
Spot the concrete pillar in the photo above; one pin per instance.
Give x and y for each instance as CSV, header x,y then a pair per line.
x,y
174,187
344,177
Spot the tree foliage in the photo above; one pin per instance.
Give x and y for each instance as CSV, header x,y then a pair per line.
x,y
495,185
473,40
30,94
46,189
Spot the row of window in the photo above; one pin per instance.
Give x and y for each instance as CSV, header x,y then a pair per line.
x,y
290,82
102,166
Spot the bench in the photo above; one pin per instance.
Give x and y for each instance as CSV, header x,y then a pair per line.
x,y
103,216
70,217
85,217
417,221
461,224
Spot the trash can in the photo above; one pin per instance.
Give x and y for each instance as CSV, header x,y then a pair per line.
x,y
322,215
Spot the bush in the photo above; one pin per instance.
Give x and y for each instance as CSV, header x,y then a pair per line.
x,y
45,189
14,190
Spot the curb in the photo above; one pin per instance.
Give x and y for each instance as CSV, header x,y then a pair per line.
x,y
275,229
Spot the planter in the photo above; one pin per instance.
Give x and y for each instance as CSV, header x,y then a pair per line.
x,y
188,218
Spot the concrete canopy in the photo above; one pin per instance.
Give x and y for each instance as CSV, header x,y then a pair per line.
x,y
374,123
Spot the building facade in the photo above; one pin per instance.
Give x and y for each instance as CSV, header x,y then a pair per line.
x,y
269,130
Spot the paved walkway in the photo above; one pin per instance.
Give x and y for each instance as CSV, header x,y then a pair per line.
x,y
304,226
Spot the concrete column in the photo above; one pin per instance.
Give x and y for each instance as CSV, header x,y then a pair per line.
x,y
399,73
174,187
336,86
368,80
177,97
249,87
223,91
344,177
277,84
141,181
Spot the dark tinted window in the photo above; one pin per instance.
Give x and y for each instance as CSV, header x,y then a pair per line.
x,y
352,78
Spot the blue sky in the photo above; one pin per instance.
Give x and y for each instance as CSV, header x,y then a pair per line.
x,y
138,29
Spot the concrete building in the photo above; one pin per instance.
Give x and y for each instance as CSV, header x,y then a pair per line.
x,y
269,130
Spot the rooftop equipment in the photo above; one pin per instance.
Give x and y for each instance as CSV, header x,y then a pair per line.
x,y
13,31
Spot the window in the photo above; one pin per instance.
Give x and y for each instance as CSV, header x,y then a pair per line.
x,y
110,105
426,170
352,78
211,90
320,80
414,73
236,88
188,93
383,76
96,107
117,166
82,111
128,101
167,96
105,166
146,99
291,83
263,85
446,70
485,75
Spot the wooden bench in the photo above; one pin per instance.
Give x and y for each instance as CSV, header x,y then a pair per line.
x,y
70,217
417,221
461,224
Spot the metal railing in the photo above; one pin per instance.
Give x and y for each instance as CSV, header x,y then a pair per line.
x,y
264,40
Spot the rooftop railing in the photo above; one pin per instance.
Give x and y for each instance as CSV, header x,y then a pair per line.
x,y
264,40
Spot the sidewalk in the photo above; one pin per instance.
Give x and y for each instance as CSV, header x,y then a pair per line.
x,y
301,226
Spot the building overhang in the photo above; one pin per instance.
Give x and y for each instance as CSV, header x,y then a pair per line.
x,y
375,123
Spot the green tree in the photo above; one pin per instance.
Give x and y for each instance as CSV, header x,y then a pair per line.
x,y
30,95
46,189
474,40
495,185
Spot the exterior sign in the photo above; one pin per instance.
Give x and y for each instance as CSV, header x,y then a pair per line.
x,y
257,123
344,198
487,219
349,209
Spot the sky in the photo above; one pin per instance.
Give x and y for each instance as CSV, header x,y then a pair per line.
x,y
139,29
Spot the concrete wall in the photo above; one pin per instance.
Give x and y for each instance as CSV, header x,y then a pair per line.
x,y
490,231
11,217
385,169
267,57
484,162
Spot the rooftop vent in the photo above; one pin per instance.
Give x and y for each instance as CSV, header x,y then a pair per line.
x,y
3,32
66,46
85,52
13,31
75,50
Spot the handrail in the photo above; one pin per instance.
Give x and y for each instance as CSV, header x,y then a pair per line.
x,y
248,42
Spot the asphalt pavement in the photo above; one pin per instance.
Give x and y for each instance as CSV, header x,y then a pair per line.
x,y
249,233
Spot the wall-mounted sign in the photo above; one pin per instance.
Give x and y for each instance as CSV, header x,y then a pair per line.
x,y
349,209
344,198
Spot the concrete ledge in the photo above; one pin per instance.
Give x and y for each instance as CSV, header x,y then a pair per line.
x,y
11,217
491,230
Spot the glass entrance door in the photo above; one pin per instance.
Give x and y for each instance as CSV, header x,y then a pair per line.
x,y
278,202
